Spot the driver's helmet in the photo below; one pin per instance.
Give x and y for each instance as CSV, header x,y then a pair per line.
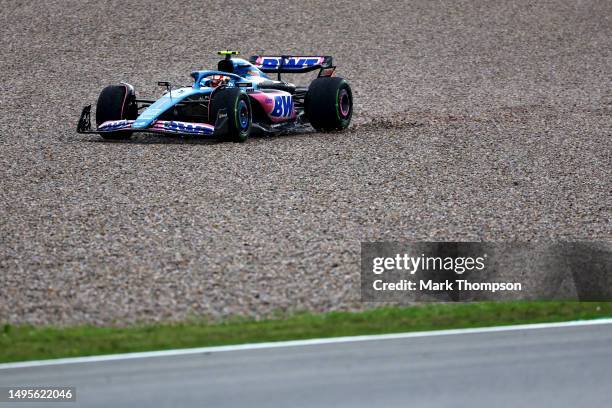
x,y
216,80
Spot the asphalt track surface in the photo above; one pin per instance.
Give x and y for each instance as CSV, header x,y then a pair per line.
x,y
474,120
549,367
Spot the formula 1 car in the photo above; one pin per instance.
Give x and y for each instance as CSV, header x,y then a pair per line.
x,y
229,103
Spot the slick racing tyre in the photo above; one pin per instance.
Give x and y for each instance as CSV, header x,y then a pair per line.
x,y
116,102
237,106
329,104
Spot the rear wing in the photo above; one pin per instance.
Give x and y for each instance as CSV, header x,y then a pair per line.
x,y
293,64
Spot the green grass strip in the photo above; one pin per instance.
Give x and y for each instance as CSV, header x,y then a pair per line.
x,y
21,343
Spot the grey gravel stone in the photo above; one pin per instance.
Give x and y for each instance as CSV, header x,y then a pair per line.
x,y
473,121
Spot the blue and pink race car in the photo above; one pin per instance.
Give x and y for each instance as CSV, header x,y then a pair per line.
x,y
230,103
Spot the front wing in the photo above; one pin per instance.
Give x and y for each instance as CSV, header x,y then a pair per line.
x,y
159,126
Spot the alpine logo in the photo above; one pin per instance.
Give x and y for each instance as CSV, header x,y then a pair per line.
x,y
283,106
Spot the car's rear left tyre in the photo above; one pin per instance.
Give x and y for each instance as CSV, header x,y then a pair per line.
x,y
116,102
239,113
329,104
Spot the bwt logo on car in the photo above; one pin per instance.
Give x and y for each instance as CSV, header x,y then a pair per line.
x,y
283,106
185,127
289,63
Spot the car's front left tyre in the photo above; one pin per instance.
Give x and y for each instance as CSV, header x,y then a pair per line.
x,y
237,106
116,102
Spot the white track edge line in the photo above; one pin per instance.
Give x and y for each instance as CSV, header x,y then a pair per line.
x,y
298,343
